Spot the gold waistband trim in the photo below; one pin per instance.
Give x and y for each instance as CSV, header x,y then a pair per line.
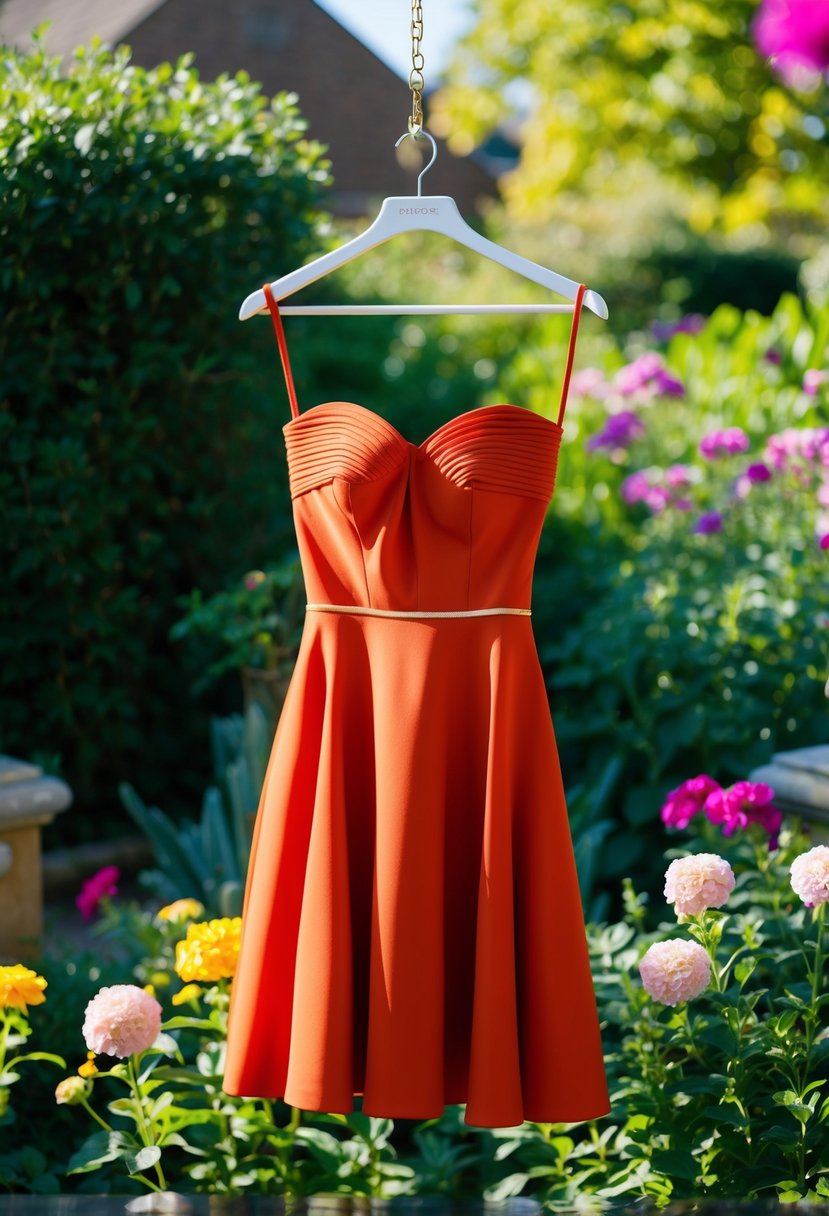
x,y
419,616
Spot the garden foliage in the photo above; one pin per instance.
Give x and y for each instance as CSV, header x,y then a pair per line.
x,y
137,417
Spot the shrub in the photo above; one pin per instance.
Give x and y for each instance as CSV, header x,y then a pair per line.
x,y
136,415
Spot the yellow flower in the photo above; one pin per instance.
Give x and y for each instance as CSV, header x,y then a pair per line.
x,y
88,1069
210,950
190,992
72,1090
179,910
150,988
20,987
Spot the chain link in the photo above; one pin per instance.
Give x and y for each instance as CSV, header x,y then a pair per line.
x,y
416,75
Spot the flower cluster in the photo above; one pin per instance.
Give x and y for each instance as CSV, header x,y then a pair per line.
x,y
742,803
659,488
678,970
210,950
726,442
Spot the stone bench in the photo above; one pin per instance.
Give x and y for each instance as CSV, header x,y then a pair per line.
x,y
28,801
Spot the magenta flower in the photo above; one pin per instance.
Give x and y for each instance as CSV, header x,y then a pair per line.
x,y
678,475
102,885
794,34
729,442
743,803
687,800
758,472
823,541
619,431
710,521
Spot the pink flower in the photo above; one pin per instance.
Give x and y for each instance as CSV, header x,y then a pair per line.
x,y
678,475
121,1021
794,34
729,441
675,970
743,803
810,876
823,541
812,380
808,443
589,382
102,885
687,800
700,881
648,374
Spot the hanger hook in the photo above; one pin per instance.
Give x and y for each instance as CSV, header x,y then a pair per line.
x,y
414,135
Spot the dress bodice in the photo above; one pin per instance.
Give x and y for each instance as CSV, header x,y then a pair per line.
x,y
450,524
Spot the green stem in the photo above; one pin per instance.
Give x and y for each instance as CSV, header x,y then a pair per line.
x,y
102,1122
144,1130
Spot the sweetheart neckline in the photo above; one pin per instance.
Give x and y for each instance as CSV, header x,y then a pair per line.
x,y
479,409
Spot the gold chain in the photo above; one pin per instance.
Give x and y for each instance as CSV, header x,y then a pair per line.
x,y
416,74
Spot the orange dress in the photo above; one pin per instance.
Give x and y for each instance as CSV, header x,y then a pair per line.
x,y
413,930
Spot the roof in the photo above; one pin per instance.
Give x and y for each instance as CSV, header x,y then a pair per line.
x,y
72,22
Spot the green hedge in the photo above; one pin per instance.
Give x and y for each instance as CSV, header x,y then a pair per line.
x,y
139,420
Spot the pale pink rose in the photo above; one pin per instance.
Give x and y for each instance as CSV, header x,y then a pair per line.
x,y
810,876
675,970
700,881
121,1021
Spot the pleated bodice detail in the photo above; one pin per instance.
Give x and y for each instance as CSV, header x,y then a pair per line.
x,y
452,523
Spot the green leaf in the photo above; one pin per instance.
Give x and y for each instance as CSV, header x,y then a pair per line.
x,y
144,1159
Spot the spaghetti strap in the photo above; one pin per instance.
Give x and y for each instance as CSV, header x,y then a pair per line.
x,y
571,351
283,349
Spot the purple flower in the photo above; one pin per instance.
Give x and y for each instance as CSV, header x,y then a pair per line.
x,y
710,521
668,385
619,431
687,800
758,472
823,542
812,380
691,323
729,441
773,356
794,34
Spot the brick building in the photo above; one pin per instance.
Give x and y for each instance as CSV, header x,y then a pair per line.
x,y
353,102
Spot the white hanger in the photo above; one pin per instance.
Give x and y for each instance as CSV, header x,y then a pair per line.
x,y
407,213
